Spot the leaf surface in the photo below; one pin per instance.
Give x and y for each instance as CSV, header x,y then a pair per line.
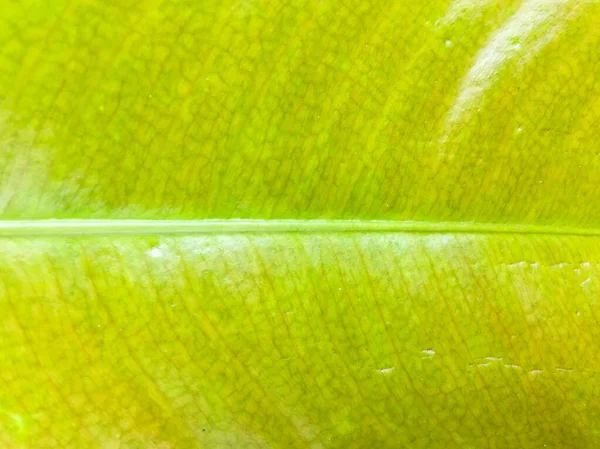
x,y
299,224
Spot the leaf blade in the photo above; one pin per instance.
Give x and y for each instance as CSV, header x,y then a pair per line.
x,y
308,117
287,340
417,260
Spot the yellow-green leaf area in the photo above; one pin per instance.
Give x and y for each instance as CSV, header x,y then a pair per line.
x,y
406,110
356,340
310,224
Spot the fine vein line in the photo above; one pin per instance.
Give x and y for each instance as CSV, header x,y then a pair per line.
x,y
82,227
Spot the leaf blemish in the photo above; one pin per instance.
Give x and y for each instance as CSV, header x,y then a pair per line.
x,y
155,252
512,366
586,282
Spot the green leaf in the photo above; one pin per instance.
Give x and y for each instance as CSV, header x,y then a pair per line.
x,y
299,224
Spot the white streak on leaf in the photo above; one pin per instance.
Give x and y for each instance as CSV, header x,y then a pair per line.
x,y
528,31
512,366
586,282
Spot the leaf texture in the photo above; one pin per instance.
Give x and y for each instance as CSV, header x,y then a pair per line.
x,y
312,224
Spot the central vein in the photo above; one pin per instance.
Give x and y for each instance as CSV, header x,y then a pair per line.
x,y
74,227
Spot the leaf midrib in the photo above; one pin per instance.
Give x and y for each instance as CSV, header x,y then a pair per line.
x,y
74,227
